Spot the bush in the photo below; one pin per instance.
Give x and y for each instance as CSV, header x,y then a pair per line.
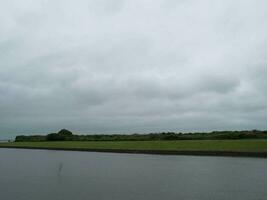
x,y
55,137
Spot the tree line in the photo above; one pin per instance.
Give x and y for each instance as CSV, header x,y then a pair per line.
x,y
66,135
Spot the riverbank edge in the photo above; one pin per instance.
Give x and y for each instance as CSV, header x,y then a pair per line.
x,y
155,152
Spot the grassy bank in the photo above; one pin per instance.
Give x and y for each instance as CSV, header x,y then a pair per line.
x,y
182,146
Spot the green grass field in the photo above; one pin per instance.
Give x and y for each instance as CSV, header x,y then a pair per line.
x,y
178,145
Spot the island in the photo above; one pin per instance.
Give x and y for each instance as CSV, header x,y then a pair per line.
x,y
251,143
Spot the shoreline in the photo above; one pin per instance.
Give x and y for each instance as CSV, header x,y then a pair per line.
x,y
153,152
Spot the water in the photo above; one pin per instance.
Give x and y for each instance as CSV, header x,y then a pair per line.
x,y
66,175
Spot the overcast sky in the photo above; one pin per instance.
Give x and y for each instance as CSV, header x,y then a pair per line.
x,y
106,66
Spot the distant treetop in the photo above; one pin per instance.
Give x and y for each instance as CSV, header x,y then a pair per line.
x,y
65,132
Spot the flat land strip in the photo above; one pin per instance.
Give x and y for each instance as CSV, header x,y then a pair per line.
x,y
244,147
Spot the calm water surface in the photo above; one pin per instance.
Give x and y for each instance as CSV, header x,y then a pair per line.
x,y
66,175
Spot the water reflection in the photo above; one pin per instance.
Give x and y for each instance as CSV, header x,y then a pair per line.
x,y
60,167
30,174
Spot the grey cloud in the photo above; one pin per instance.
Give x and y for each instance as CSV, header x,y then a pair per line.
x,y
132,66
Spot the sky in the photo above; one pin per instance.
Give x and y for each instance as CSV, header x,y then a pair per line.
x,y
123,66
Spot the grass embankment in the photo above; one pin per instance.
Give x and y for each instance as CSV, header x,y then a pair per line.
x,y
194,147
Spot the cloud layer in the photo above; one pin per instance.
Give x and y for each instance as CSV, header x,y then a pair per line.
x,y
132,66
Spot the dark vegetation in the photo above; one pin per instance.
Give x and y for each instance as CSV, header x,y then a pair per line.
x,y
66,135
